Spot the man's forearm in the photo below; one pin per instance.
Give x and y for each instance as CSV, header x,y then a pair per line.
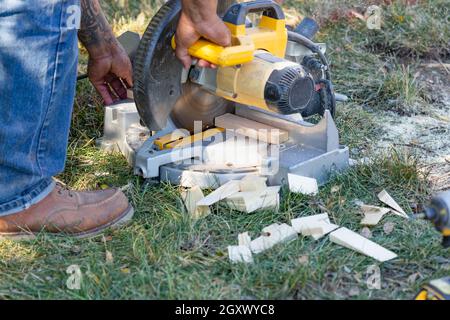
x,y
95,32
199,10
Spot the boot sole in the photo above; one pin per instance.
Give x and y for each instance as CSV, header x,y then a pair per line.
x,y
121,221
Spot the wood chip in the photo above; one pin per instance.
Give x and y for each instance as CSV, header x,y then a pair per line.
x,y
358,243
373,214
190,198
388,227
318,229
255,200
240,254
109,257
244,239
253,183
387,199
299,224
301,184
223,192
277,234
366,233
303,260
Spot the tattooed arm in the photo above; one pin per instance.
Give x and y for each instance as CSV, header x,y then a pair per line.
x,y
109,67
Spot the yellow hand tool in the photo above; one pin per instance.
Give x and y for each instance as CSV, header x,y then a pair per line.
x,y
438,212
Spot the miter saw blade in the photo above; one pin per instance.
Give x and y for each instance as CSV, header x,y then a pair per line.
x,y
158,89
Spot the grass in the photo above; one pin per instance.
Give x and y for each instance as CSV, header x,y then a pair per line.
x,y
163,254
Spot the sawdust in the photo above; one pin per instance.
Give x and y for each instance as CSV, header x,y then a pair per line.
x,y
427,134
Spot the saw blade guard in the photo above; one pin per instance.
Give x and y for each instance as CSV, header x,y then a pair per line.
x,y
159,91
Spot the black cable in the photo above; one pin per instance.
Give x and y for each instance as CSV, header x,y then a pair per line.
x,y
82,77
298,38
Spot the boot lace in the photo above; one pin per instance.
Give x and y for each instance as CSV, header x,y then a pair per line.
x,y
64,190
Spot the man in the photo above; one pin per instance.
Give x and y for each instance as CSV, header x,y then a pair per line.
x,y
38,67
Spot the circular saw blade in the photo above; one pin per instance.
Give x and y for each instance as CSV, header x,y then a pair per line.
x,y
197,107
158,91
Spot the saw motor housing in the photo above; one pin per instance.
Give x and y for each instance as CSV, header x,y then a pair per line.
x,y
267,82
254,71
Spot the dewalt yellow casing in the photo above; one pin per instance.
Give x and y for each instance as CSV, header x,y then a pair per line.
x,y
270,35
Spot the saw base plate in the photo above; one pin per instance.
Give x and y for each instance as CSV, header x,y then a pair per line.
x,y
312,150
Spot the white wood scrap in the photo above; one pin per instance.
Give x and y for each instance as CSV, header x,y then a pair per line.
x,y
318,229
270,228
224,191
387,199
300,223
283,233
255,200
301,184
372,214
240,254
261,244
244,239
279,234
253,183
190,198
358,243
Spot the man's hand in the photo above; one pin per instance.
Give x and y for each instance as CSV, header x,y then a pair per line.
x,y
111,74
109,67
199,19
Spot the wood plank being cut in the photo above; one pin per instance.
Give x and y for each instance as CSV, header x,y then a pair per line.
x,y
190,198
387,199
372,214
223,192
356,242
252,129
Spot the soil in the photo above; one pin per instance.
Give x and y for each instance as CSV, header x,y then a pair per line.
x,y
427,133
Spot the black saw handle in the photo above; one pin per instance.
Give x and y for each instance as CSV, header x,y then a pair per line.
x,y
238,12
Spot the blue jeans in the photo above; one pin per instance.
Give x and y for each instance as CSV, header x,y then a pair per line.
x,y
38,67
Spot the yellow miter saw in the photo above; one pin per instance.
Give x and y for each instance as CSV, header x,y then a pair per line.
x,y
270,75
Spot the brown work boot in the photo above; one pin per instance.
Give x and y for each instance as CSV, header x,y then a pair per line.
x,y
78,214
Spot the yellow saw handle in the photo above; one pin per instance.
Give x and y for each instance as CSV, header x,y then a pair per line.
x,y
270,35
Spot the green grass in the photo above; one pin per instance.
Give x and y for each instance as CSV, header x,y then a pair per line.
x,y
163,254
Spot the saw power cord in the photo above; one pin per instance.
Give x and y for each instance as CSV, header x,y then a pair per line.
x,y
302,40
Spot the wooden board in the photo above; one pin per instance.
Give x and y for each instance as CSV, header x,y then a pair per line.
x,y
252,129
356,242
387,199
301,184
190,198
228,189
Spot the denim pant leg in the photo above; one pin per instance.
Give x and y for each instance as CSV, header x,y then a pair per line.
x,y
38,66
